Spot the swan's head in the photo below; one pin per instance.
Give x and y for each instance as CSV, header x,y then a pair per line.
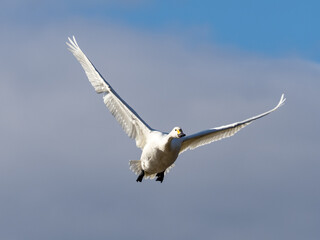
x,y
177,132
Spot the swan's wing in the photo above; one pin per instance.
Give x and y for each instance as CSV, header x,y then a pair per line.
x,y
214,134
129,120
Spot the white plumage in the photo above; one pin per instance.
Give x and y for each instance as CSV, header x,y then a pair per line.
x,y
159,149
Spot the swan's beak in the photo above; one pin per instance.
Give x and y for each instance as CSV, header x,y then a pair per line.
x,y
180,134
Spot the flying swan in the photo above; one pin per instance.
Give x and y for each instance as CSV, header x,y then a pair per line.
x,y
159,149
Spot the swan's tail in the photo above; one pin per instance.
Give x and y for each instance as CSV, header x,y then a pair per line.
x,y
135,166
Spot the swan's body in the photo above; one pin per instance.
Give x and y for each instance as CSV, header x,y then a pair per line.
x,y
159,150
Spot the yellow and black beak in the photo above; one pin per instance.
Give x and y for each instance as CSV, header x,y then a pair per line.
x,y
180,133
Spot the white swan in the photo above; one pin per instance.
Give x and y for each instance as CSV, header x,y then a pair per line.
x,y
159,149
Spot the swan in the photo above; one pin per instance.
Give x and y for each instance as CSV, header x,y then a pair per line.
x,y
159,149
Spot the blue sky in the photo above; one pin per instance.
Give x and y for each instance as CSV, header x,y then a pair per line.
x,y
195,64
273,28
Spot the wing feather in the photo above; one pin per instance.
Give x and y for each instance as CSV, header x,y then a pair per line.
x,y
214,134
129,120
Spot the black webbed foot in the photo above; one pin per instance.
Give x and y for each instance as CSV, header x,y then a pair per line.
x,y
140,177
160,176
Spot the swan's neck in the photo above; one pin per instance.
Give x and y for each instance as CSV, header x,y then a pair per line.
x,y
167,146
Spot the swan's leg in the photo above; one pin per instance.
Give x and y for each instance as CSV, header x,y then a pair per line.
x,y
140,177
160,176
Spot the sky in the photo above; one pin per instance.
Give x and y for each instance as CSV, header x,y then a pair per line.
x,y
64,170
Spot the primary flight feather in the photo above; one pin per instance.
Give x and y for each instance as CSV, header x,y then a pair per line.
x,y
159,149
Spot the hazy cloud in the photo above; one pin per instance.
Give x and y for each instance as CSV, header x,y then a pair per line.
x,y
64,159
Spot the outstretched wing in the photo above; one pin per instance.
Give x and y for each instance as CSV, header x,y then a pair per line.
x,y
214,134
129,120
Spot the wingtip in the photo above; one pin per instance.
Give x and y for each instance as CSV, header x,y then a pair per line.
x,y
74,40
72,44
282,100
